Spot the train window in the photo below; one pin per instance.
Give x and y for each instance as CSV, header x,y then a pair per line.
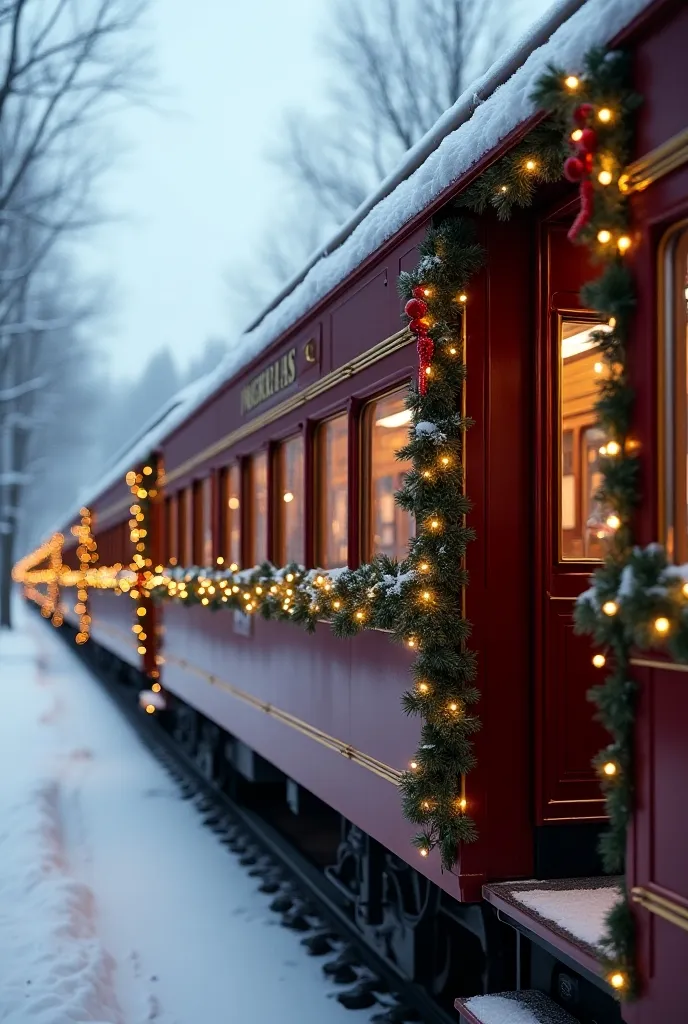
x,y
291,500
203,522
675,428
583,522
172,551
259,508
332,448
389,527
184,525
231,514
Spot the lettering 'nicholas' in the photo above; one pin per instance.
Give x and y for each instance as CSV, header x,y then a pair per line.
x,y
274,378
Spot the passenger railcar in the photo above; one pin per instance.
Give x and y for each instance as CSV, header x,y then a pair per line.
x,y
291,459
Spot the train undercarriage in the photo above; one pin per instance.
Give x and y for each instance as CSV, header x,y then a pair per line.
x,y
427,939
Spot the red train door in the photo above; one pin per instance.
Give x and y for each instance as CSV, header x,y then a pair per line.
x,y
569,542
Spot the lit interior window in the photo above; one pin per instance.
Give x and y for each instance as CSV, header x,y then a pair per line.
x,y
232,515
291,497
584,523
259,489
333,486
391,527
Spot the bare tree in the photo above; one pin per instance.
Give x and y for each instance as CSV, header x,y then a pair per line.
x,y
63,65
396,66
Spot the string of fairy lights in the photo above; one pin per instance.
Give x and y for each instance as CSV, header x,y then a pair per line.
x,y
635,599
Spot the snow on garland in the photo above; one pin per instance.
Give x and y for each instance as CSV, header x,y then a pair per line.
x,y
419,601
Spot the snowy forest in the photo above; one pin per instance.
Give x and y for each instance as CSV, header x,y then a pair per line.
x,y
66,66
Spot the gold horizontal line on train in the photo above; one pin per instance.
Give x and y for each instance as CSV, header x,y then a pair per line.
x,y
660,905
654,165
114,631
672,666
379,768
318,387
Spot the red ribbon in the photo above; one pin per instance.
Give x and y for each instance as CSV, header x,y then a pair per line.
x,y
426,347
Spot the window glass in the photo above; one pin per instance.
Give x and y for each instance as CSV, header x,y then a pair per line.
x,y
172,552
291,500
231,514
185,522
205,524
259,492
390,527
583,521
333,488
677,539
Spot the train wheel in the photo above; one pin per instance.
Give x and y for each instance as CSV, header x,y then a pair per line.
x,y
185,729
207,750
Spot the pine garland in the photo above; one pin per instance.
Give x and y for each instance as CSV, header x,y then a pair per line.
x,y
603,89
420,599
635,593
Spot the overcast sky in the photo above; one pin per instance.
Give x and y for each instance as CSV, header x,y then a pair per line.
x,y
193,186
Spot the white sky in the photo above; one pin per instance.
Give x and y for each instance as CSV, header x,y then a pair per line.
x,y
193,188
192,185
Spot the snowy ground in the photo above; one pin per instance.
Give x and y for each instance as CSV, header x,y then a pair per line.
x,y
116,905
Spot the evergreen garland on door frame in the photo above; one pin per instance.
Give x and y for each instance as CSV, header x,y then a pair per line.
x,y
637,598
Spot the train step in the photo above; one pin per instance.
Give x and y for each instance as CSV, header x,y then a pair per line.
x,y
525,1007
567,915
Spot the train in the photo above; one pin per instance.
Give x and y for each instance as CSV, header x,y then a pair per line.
x,y
461,427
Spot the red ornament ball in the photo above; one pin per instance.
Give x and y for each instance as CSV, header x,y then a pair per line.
x,y
588,142
415,308
418,327
582,113
573,169
419,291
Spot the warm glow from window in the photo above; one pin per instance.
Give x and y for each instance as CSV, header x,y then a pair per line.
x,y
677,525
231,514
184,525
332,483
397,419
204,526
171,538
390,527
259,508
584,524
290,476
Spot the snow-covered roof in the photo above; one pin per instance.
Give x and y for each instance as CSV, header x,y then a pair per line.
x,y
456,150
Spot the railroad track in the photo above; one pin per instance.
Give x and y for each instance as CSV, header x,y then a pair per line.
x,y
303,897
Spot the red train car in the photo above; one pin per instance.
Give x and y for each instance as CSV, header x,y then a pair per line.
x,y
287,456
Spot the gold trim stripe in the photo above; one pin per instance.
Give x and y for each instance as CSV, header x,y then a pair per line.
x,y
365,760
342,373
660,905
652,663
654,165
115,632
350,369
385,771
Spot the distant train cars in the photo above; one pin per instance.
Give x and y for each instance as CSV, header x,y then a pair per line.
x,y
446,466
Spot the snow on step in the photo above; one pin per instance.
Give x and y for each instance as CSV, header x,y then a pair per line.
x,y
580,912
525,1007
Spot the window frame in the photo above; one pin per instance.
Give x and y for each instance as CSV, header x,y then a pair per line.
x,y
278,510
319,481
365,462
581,316
671,405
250,504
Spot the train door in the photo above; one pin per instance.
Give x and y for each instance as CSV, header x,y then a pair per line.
x,y
571,530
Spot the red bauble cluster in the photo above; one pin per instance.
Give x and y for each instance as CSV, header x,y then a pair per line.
x,y
578,168
416,310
